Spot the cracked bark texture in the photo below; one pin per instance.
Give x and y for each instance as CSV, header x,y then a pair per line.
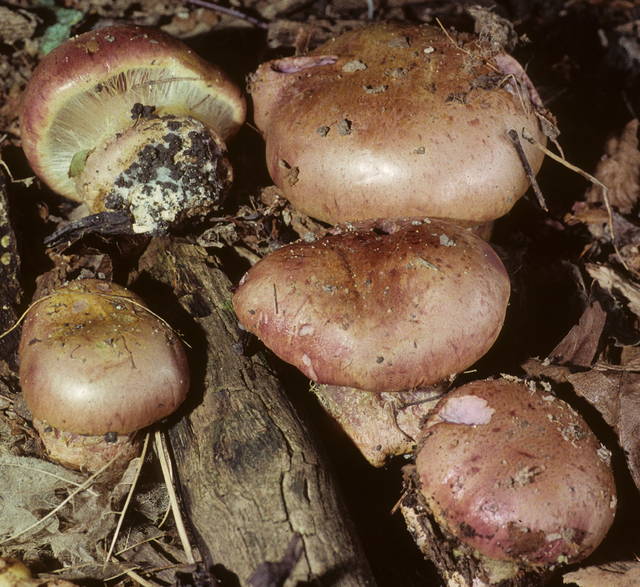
x,y
251,477
10,289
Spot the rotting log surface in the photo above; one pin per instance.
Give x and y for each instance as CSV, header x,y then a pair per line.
x,y
250,474
10,287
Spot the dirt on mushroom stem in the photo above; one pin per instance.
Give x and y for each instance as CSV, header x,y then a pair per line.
x,y
162,171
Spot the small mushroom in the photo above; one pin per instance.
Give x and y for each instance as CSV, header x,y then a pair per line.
x,y
129,119
398,120
384,306
96,366
515,476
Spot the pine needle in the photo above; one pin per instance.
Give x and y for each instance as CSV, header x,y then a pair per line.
x,y
129,497
165,464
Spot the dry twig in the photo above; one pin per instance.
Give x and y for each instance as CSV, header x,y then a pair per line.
x,y
230,12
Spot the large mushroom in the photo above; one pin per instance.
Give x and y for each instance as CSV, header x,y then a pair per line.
x,y
96,366
129,119
384,306
398,120
514,478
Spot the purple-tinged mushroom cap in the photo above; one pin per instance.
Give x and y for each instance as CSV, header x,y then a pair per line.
x,y
383,306
398,120
95,361
516,474
88,97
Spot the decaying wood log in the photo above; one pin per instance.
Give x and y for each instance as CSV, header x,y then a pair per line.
x,y
10,288
251,477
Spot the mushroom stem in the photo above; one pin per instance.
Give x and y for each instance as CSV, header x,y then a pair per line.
x,y
129,118
87,452
381,425
161,169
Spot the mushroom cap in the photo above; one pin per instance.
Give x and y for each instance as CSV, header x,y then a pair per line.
x,y
400,121
93,359
83,92
384,306
516,474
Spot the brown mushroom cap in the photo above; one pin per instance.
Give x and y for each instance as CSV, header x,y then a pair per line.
x,y
516,474
396,120
82,93
384,306
94,360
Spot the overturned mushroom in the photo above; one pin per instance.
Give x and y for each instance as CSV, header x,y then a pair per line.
x,y
384,306
398,120
96,366
128,119
514,478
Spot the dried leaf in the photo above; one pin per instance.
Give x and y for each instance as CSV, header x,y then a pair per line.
x,y
619,170
628,425
580,345
537,368
616,395
30,489
621,574
601,390
609,279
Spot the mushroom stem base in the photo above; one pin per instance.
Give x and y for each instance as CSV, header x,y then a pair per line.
x,y
84,452
381,425
457,563
162,170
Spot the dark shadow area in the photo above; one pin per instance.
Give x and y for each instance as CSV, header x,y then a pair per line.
x,y
162,300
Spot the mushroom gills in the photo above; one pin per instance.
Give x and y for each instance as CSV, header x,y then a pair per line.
x,y
88,118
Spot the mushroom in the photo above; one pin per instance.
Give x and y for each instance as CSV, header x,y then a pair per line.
x,y
96,366
514,477
129,119
398,120
383,306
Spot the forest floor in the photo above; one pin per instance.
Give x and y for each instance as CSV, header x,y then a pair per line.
x,y
575,268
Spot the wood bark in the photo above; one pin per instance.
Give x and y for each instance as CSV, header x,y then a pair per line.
x,y
252,478
10,289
